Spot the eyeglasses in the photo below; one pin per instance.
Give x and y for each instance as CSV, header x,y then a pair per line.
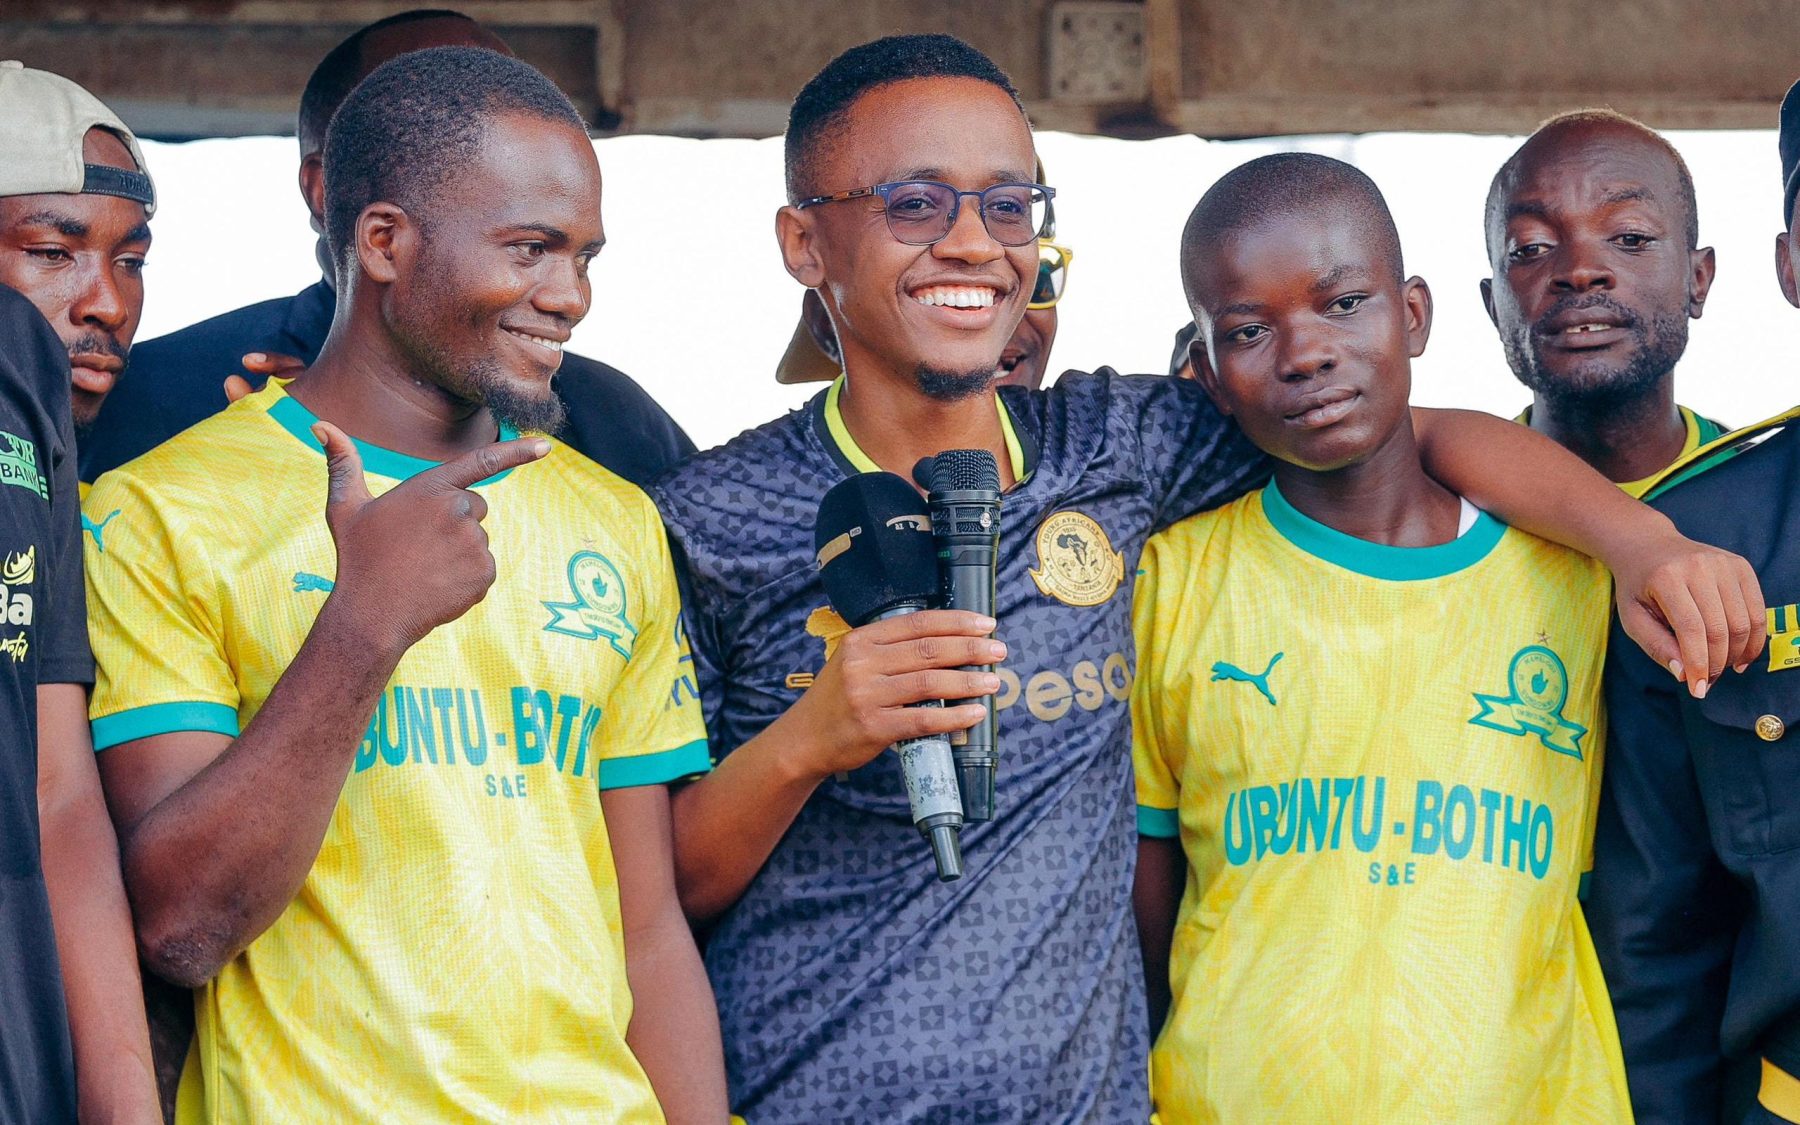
x,y
922,212
1052,275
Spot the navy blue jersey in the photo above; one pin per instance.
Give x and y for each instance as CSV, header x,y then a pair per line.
x,y
851,984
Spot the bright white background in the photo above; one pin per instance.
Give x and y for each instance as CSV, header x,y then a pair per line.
x,y
691,300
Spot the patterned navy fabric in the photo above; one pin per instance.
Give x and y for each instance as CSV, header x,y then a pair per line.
x,y
852,985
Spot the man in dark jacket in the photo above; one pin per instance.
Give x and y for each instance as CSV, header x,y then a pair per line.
x,y
1695,904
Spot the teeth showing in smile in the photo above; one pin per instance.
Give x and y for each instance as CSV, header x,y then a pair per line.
x,y
1577,329
544,342
956,296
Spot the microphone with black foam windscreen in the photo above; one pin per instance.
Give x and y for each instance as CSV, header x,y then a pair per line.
x,y
964,493
877,560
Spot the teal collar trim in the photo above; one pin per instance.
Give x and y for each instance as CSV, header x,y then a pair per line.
x,y
1378,560
298,421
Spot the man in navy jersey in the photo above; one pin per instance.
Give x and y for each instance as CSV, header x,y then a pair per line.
x,y
851,983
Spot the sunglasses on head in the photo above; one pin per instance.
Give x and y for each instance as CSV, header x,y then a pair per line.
x,y
923,212
1052,274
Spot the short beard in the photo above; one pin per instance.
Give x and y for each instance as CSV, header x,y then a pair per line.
x,y
512,407
1660,341
953,386
485,384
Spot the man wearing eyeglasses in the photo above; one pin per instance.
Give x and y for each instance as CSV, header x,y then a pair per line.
x,y
812,355
851,984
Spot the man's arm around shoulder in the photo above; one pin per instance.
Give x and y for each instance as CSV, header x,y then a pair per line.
x,y
1695,609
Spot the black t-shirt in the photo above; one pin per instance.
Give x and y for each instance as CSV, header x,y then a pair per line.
x,y
43,639
176,380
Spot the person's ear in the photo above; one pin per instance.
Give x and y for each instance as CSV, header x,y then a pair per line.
x,y
1487,300
797,233
1416,296
312,186
386,241
1704,265
1784,268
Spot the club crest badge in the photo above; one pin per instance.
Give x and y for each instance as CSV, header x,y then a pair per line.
x,y
598,608
1540,687
1076,561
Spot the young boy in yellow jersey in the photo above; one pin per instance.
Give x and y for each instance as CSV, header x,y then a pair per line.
x,y
388,758
1367,722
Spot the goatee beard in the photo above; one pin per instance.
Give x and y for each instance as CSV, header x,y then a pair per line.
x,y
953,386
1659,340
524,413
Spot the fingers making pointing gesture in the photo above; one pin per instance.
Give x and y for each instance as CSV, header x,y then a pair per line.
x,y
417,556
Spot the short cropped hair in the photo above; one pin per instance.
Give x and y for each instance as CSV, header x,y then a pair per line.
x,y
336,75
818,112
1282,184
1507,176
416,121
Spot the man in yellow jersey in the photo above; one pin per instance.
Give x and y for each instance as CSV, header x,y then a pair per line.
x,y
1367,722
1594,239
389,771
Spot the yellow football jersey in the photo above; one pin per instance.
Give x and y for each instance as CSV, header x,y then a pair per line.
x,y
455,953
1382,764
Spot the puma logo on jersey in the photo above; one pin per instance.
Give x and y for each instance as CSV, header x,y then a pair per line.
x,y
306,582
1224,671
97,530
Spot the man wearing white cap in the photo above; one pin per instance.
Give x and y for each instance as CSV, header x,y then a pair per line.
x,y
73,206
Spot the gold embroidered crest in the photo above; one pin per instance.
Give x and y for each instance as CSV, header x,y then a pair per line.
x,y
1076,561
825,624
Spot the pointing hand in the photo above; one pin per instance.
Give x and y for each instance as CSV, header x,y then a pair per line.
x,y
417,557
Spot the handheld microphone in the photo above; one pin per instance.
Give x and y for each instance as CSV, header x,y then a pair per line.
x,y
964,488
876,558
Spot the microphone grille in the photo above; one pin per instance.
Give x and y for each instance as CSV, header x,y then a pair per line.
x,y
964,470
873,538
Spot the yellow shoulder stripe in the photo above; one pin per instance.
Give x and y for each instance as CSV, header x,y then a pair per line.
x,y
1736,441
